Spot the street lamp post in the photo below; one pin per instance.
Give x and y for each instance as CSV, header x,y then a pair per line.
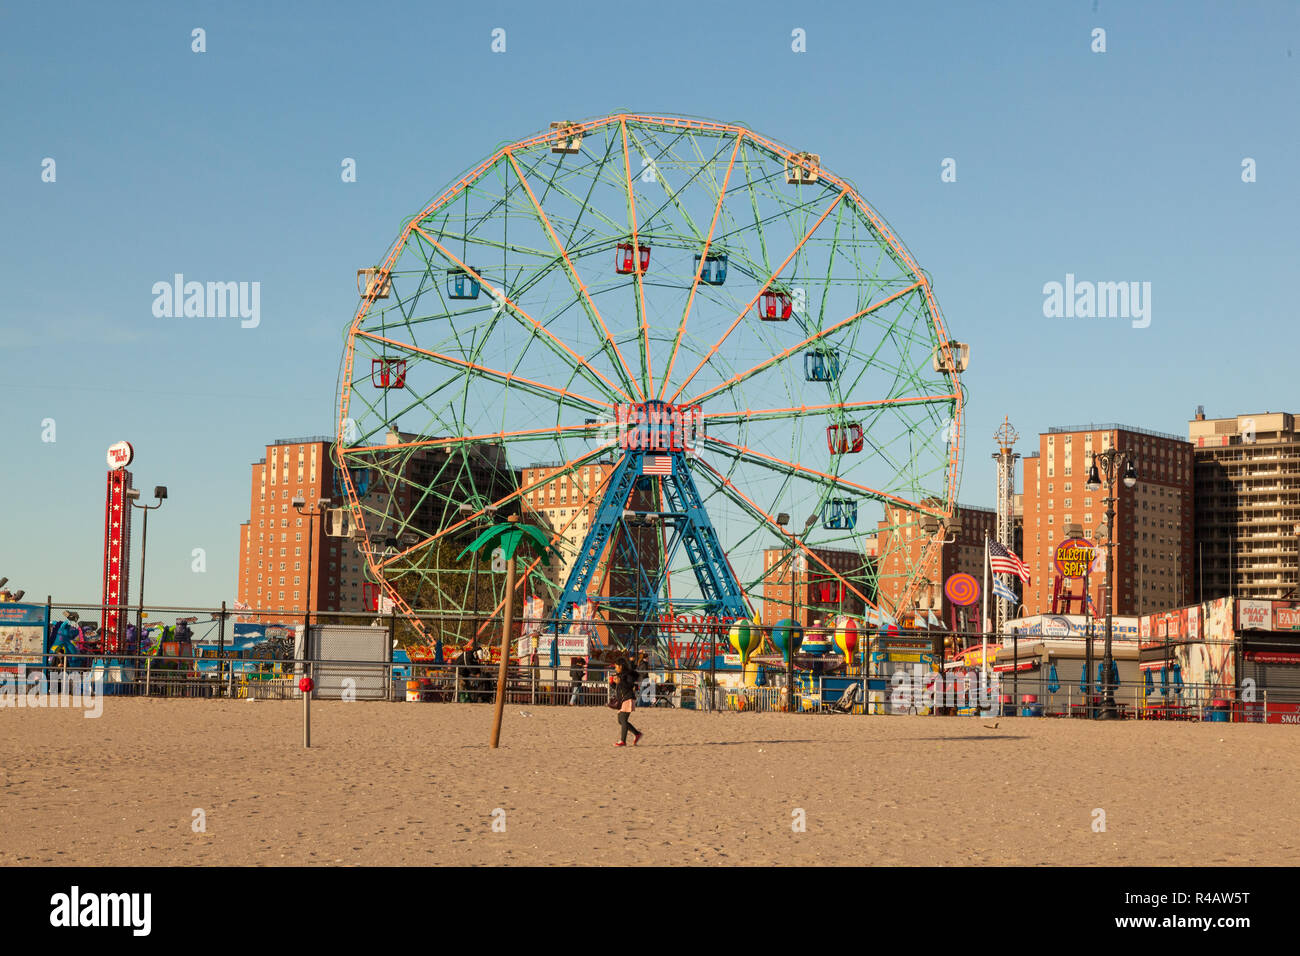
x,y
934,525
796,543
133,494
1111,461
487,517
299,505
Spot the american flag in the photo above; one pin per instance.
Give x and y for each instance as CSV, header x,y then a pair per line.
x,y
657,465
1004,561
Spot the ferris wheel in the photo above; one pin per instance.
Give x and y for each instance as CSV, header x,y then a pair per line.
x,y
658,339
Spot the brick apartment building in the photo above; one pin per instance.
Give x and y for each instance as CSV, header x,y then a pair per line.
x,y
273,560
901,543
1153,520
1247,505
817,593
565,505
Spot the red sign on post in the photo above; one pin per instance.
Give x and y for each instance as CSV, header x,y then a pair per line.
x,y
117,555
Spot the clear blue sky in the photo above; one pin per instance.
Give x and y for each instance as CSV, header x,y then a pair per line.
x,y
225,165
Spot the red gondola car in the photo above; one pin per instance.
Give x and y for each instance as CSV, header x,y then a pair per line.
x,y
624,262
775,305
388,372
845,439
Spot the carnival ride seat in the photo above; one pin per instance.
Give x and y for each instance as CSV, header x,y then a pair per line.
x,y
712,269
664,694
846,700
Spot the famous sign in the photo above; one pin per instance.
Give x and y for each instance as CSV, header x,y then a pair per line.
x,y
658,426
1268,615
120,455
1074,557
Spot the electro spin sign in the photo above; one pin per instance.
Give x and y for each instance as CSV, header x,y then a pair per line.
x,y
1074,557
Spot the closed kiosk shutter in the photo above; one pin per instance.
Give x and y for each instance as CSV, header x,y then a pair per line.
x,y
1282,680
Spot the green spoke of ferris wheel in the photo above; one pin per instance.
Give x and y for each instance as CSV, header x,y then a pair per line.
x,y
593,314
539,389
727,487
754,299
528,435
795,349
638,276
527,321
695,282
764,414
758,216
566,468
673,195
608,346
827,479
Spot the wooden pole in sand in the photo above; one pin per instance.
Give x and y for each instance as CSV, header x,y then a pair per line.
x,y
507,621
306,707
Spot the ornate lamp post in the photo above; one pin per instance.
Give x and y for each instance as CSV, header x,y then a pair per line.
x,y
1111,461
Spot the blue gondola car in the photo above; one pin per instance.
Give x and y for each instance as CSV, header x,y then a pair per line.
x,y
713,269
461,285
821,365
840,514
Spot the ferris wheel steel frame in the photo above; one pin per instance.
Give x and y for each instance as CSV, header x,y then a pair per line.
x,y
621,383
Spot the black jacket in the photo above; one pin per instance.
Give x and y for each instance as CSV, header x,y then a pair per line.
x,y
625,686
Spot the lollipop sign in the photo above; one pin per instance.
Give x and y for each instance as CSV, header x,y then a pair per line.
x,y
962,589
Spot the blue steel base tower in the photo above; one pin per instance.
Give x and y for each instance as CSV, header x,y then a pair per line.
x,y
655,452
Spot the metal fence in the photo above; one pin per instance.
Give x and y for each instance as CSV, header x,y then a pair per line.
x,y
202,676
220,668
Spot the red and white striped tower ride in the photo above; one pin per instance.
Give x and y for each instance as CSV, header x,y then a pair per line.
x,y
117,547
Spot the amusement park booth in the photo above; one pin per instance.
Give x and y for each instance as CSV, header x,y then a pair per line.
x,y
1229,655
1268,645
1045,656
23,635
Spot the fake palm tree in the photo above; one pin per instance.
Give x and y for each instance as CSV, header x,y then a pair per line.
x,y
508,536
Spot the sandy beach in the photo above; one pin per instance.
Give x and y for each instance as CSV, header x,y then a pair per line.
x,y
417,784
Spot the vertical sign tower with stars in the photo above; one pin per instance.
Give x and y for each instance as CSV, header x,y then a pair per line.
x,y
117,547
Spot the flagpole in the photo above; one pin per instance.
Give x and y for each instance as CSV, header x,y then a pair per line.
x,y
984,628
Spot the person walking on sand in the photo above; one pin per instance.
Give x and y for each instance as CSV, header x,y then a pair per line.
x,y
624,692
577,674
